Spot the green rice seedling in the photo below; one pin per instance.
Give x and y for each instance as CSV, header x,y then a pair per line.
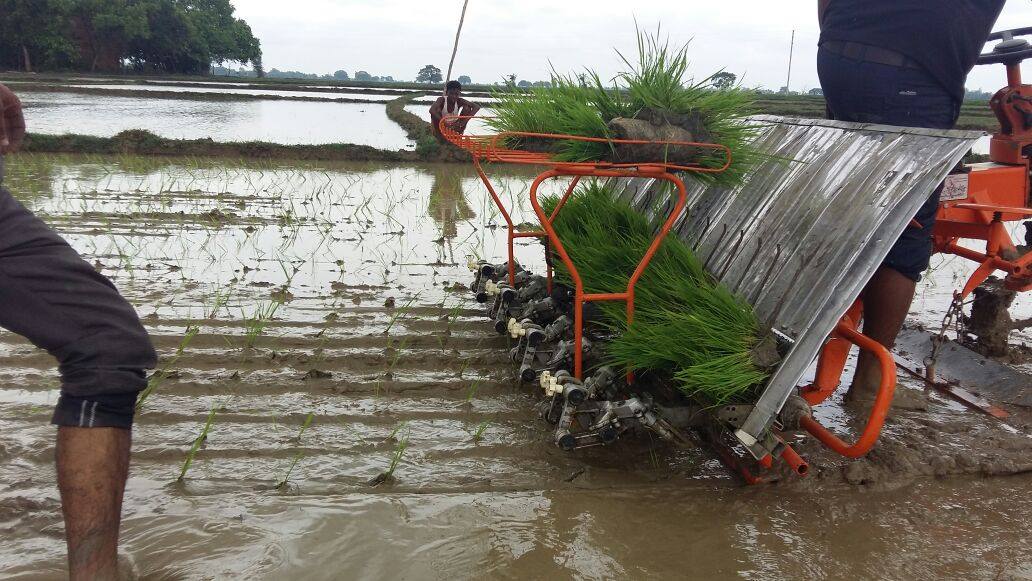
x,y
686,325
396,456
198,441
304,426
255,324
656,81
478,434
397,353
398,312
219,300
472,392
465,366
159,376
285,481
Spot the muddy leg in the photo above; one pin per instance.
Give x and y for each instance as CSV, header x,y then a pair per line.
x,y
92,466
887,299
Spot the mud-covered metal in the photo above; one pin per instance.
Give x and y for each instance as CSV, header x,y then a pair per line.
x,y
807,228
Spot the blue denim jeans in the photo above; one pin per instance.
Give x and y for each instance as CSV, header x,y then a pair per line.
x,y
866,92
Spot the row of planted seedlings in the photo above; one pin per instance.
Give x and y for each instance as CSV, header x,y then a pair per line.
x,y
695,349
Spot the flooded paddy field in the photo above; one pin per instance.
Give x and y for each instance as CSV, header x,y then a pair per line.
x,y
274,121
319,313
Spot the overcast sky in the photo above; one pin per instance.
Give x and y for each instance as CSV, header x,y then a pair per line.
x,y
397,37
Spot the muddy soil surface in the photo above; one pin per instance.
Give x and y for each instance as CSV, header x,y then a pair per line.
x,y
331,296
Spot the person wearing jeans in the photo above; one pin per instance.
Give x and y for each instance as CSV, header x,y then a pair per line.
x,y
898,62
56,300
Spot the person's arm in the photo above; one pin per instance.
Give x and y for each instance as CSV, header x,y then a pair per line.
x,y
14,127
437,109
4,141
12,122
468,107
822,7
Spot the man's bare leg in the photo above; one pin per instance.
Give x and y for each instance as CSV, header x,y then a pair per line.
x,y
92,466
887,299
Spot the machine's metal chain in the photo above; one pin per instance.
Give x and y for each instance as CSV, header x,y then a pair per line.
x,y
953,318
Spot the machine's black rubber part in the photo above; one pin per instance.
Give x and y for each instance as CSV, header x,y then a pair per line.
x,y
576,396
527,374
608,435
566,442
1015,54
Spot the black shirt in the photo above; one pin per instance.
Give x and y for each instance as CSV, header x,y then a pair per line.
x,y
943,36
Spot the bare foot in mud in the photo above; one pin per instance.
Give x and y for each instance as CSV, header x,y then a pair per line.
x,y
903,398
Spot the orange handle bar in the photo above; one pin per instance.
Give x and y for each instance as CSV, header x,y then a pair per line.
x,y
879,410
492,144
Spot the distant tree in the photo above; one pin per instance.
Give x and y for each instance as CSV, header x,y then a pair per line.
x,y
341,75
545,84
465,80
816,91
582,79
363,76
723,80
429,74
173,36
524,84
510,80
33,34
387,79
188,37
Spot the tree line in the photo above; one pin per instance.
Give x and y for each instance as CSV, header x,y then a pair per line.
x,y
164,36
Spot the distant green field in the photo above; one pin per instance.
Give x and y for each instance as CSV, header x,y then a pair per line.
x,y
973,115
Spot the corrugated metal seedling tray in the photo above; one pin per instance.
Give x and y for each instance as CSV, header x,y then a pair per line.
x,y
799,239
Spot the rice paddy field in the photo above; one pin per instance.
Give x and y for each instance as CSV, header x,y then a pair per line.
x,y
361,419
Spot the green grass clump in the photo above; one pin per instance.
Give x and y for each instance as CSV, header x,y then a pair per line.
x,y
686,325
658,80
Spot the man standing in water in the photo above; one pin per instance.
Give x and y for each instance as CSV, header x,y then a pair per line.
x,y
898,62
55,299
451,103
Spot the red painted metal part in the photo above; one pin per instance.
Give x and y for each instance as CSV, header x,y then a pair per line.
x,y
846,330
494,148
793,459
580,297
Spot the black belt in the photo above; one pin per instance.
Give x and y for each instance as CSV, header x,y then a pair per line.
x,y
869,54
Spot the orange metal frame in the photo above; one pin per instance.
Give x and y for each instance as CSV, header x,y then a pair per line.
x,y
495,148
830,365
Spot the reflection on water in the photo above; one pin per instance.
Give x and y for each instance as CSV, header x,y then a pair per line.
x,y
447,206
287,122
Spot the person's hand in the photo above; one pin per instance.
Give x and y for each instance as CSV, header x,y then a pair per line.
x,y
5,146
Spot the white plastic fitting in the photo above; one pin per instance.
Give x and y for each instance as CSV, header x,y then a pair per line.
x,y
550,384
516,330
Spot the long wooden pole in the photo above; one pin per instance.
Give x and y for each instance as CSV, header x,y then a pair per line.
x,y
791,47
455,48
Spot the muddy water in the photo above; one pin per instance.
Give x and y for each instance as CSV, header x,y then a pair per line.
x,y
328,250
286,122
